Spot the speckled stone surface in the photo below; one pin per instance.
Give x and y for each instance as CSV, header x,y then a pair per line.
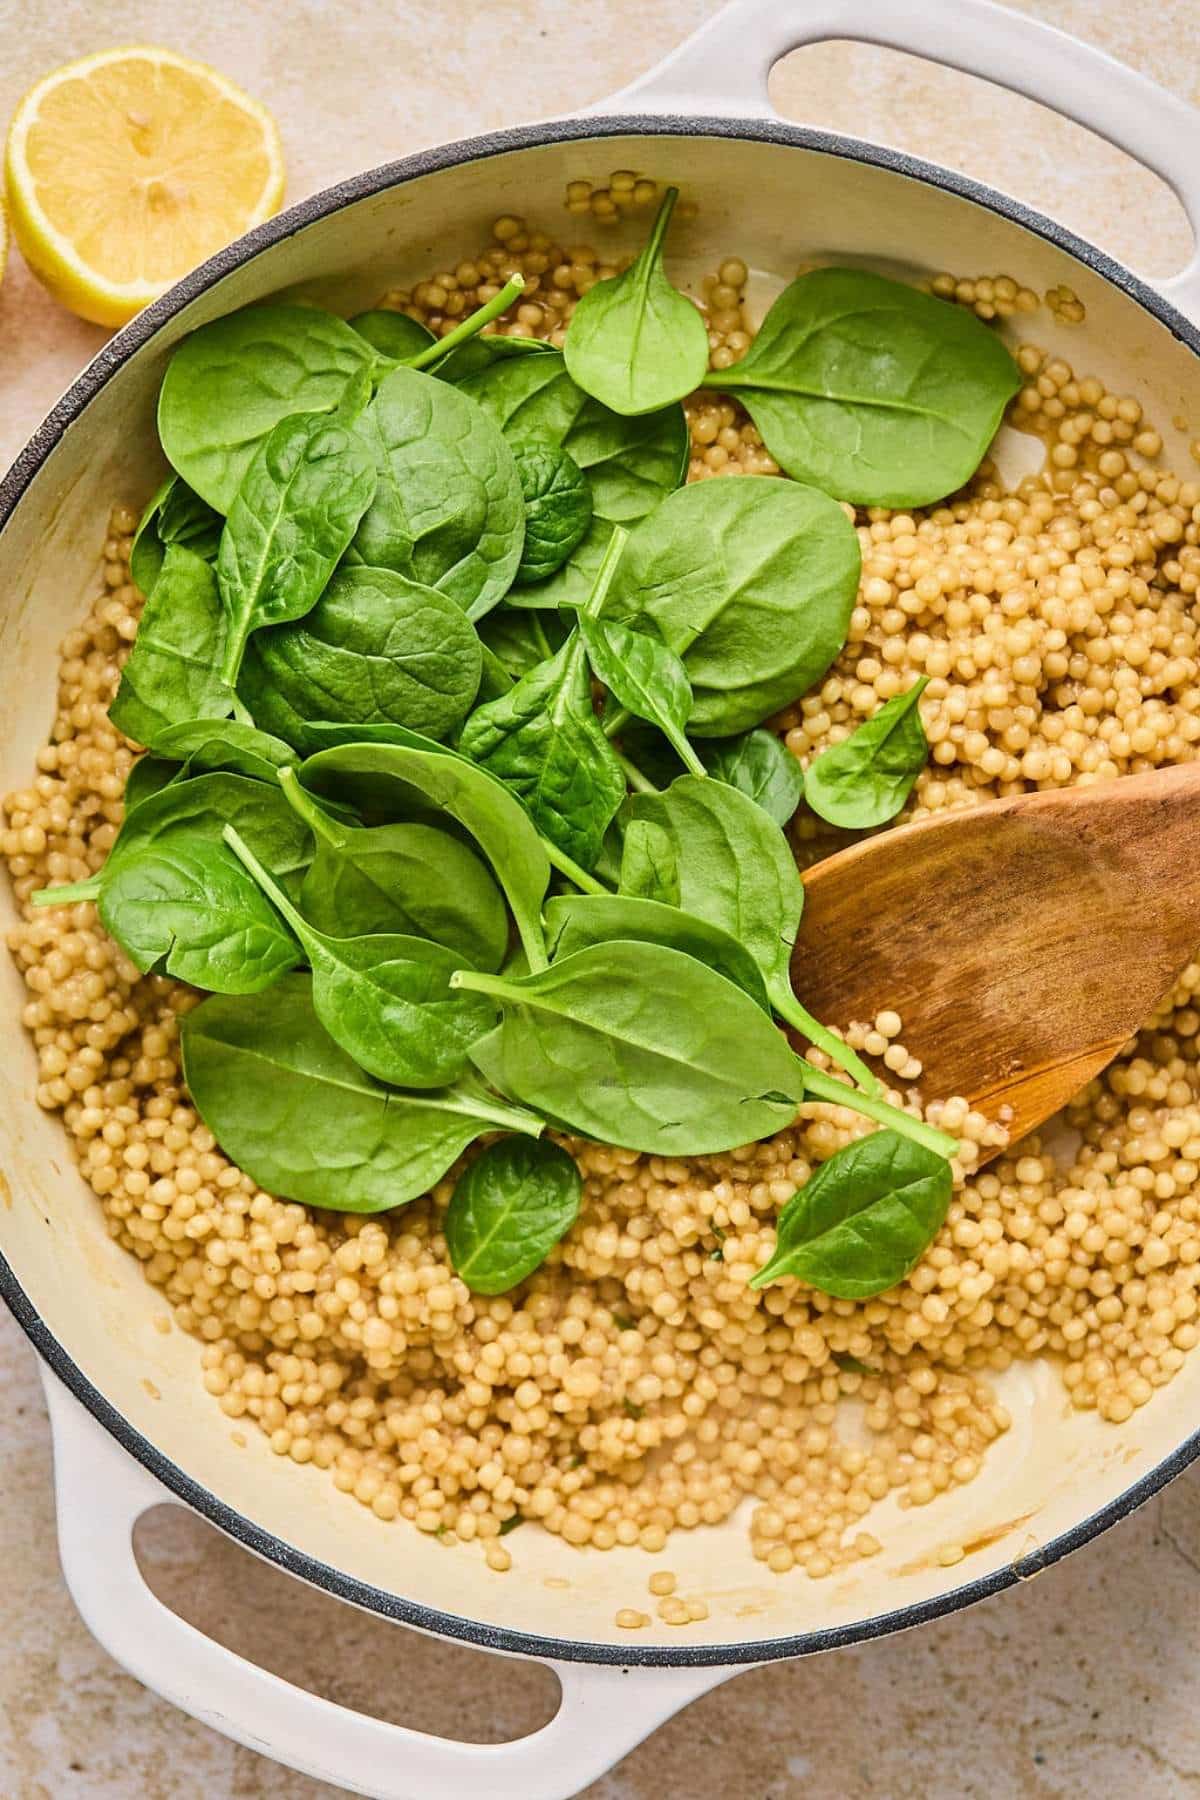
x,y
1086,1680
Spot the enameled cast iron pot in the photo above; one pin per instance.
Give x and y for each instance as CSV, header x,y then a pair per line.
x,y
773,194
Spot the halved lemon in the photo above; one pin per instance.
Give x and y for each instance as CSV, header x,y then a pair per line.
x,y
126,169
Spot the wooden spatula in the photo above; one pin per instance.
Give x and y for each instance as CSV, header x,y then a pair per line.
x,y
1022,942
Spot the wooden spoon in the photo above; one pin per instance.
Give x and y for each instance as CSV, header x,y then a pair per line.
x,y
1022,942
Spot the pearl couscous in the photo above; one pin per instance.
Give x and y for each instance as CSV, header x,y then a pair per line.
x,y
635,1385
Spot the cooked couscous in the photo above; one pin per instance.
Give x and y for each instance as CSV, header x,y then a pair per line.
x,y
635,1385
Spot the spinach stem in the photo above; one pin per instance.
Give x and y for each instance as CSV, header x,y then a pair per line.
x,y
69,894
306,808
641,784
470,326
615,721
819,1086
575,875
662,220
512,1119
613,552
791,1010
231,660
532,940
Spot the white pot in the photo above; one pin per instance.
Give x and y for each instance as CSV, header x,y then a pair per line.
x,y
774,194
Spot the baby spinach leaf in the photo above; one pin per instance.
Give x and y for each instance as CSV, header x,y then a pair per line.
x,y
508,1210
863,1220
522,639
147,776
302,1119
646,677
558,508
174,516
641,1046
494,678
647,748
329,734
410,879
752,582
385,999
871,390
544,741
229,384
865,780
376,648
479,352
227,744
296,510
634,342
171,675
734,868
393,334
577,921
649,863
761,766
174,897
630,463
448,509
396,777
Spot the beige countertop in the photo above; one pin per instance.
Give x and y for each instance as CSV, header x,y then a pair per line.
x,y
1086,1680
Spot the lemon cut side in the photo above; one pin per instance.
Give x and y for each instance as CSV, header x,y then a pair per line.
x,y
126,169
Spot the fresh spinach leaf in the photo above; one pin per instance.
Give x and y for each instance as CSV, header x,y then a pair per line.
x,y
761,766
448,509
479,352
558,508
385,999
640,1046
872,390
732,866
172,676
295,512
635,343
865,780
230,383
863,1220
543,741
148,775
410,879
577,921
393,334
303,1120
396,778
174,516
226,744
649,863
376,648
752,582
175,898
646,747
644,676
522,639
630,463
508,1210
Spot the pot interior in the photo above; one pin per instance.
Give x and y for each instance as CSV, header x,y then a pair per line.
x,y
777,205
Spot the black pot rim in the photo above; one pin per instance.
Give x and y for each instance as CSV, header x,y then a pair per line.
x,y
69,409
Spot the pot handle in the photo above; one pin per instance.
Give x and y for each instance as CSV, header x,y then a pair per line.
x,y
101,1493
722,69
